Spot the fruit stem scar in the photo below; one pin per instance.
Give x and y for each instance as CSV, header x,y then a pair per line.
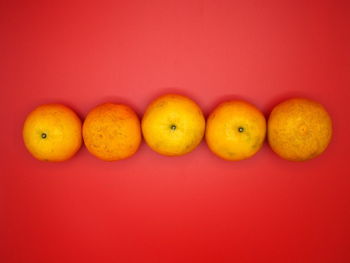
x,y
240,129
173,127
43,135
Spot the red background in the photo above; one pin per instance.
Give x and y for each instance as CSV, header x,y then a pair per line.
x,y
195,208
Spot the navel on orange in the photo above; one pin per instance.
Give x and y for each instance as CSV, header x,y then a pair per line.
x,y
299,129
52,132
112,132
235,130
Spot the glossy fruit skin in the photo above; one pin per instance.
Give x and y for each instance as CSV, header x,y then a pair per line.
x,y
52,132
299,129
235,130
173,125
112,132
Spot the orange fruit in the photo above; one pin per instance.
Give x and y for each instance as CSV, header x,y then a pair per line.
x,y
112,132
299,129
235,130
52,132
173,125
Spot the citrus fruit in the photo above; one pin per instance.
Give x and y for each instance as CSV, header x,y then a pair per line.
x,y
112,132
52,132
299,129
235,130
173,125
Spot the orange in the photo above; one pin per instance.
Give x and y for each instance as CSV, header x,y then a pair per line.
x,y
299,129
112,132
173,125
52,132
235,130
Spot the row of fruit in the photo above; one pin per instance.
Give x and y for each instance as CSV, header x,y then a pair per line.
x,y
297,129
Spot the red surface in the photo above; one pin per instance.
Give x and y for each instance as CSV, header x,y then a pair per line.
x,y
195,208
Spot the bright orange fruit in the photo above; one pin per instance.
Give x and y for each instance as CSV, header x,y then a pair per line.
x,y
235,130
112,132
173,125
299,129
52,132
